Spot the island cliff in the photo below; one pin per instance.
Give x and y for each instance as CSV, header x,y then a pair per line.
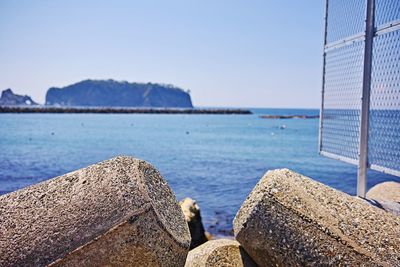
x,y
107,93
8,98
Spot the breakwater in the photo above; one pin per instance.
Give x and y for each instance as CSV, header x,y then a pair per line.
x,y
289,116
121,212
122,110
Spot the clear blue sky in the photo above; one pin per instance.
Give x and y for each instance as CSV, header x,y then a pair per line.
x,y
257,53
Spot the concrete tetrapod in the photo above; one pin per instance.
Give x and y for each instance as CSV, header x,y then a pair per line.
x,y
291,220
219,252
118,212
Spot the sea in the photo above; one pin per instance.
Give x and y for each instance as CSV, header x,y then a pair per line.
x,y
214,159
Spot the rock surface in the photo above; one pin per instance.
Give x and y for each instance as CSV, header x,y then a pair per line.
x,y
291,220
220,252
8,98
110,93
389,191
386,196
193,218
118,212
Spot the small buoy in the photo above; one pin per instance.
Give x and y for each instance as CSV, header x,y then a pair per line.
x,y
52,133
187,132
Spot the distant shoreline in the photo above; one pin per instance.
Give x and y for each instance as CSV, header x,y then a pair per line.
x,y
123,110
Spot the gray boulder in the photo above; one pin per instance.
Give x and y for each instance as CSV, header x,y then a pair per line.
x,y
386,196
389,191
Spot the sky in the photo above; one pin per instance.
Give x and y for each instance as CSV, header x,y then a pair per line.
x,y
228,53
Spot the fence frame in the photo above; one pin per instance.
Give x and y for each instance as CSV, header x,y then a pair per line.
x,y
370,31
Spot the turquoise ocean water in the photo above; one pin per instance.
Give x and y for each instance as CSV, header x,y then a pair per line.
x,y
215,159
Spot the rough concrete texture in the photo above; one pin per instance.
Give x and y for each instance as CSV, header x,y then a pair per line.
x,y
217,253
291,220
193,218
114,213
389,191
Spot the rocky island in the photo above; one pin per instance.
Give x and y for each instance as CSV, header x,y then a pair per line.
x,y
110,96
110,93
8,98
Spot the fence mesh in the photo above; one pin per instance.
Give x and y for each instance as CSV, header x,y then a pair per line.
x,y
345,18
342,104
384,118
343,83
386,11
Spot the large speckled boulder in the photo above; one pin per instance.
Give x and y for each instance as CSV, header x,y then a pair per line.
x,y
291,220
119,212
389,191
217,253
386,196
193,218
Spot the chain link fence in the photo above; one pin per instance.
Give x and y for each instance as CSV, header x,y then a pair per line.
x,y
361,84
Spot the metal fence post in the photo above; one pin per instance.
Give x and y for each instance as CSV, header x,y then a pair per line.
x,y
363,150
321,111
